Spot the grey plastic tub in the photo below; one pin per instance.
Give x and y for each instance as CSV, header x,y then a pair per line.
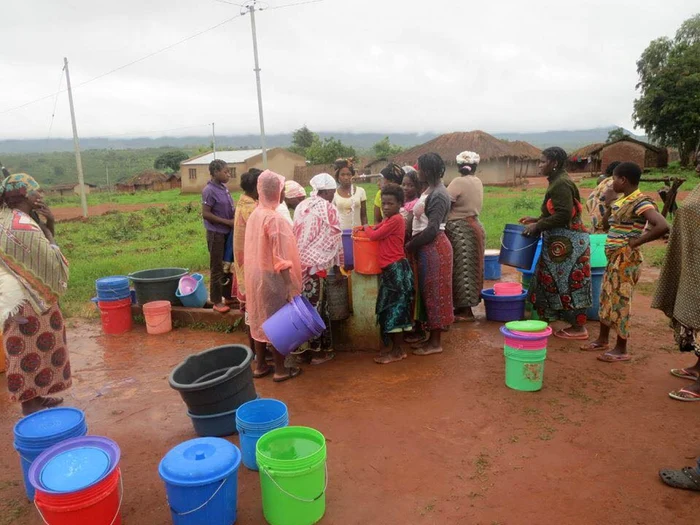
x,y
215,381
215,425
159,284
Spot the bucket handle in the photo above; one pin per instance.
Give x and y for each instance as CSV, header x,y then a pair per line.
x,y
520,249
119,508
262,469
155,325
223,481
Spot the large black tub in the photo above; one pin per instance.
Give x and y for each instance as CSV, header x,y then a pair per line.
x,y
159,284
215,381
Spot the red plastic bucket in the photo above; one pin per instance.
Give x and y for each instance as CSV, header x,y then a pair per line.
x,y
96,505
365,254
116,316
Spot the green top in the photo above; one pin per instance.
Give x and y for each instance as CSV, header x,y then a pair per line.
x,y
560,203
378,201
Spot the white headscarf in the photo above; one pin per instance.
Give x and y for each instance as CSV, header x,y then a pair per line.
x,y
323,181
468,157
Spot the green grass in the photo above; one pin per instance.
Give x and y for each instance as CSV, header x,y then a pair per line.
x,y
140,197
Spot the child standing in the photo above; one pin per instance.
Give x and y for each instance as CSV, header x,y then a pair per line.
x,y
396,281
625,218
217,212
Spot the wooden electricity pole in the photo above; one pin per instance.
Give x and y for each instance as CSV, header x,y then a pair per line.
x,y
76,143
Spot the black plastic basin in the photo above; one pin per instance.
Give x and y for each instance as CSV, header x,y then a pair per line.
x,y
215,381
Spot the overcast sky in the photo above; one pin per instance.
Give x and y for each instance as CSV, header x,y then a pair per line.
x,y
337,65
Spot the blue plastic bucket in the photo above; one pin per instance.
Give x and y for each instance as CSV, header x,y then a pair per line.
x,y
516,249
504,308
347,249
112,288
253,420
201,481
292,325
42,430
597,274
492,268
195,299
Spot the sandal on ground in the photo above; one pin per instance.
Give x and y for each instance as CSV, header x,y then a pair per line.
x,y
416,338
569,336
686,478
683,374
464,319
427,350
595,347
385,359
684,395
607,357
221,308
291,374
320,360
265,372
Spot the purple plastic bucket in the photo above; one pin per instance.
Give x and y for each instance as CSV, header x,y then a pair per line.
x,y
504,308
347,249
88,457
536,341
292,325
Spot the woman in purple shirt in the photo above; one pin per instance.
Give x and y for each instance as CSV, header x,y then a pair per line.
x,y
217,212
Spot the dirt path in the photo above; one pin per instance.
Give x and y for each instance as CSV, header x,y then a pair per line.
x,y
69,214
426,441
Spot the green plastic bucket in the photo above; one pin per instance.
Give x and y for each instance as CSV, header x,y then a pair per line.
x,y
524,369
293,475
598,258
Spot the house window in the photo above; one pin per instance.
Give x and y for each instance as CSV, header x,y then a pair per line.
x,y
233,172
193,173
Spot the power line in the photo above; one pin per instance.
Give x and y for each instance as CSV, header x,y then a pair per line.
x,y
55,103
124,66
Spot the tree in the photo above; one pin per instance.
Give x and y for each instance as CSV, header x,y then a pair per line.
x,y
302,140
58,171
385,149
327,151
617,134
170,161
668,108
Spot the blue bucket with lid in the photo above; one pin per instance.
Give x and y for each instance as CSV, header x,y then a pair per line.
x,y
112,288
201,481
42,430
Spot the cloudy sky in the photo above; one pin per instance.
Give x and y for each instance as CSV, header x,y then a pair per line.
x,y
336,65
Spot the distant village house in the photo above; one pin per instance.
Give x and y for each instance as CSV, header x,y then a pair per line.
x,y
583,160
628,149
194,172
150,180
70,189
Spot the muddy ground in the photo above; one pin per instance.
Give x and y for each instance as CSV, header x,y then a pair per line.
x,y
430,440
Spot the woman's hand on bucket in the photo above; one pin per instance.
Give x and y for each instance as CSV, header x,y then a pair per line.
x,y
530,230
528,220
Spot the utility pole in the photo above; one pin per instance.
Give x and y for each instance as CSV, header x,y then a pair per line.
x,y
213,138
109,188
251,10
76,143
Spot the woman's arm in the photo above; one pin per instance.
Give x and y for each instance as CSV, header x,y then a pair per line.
x,y
207,215
363,212
377,214
563,203
657,228
380,231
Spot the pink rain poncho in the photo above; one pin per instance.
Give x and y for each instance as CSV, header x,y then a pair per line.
x,y
270,248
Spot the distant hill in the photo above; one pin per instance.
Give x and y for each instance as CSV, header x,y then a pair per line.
x,y
569,140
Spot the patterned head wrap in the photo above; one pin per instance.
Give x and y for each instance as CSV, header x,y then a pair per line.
x,y
16,186
293,190
393,173
348,163
323,181
468,157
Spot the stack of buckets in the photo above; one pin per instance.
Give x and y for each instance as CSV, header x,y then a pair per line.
x,y
525,353
79,481
504,302
114,302
40,431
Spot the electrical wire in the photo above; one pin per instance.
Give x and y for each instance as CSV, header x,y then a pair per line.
x,y
55,102
124,66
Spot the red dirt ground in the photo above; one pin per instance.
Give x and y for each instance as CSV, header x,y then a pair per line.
x,y
426,441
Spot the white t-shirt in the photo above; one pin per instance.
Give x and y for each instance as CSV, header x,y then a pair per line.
x,y
283,210
349,208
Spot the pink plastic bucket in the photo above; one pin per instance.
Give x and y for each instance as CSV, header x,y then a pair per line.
x,y
188,284
508,288
157,314
532,341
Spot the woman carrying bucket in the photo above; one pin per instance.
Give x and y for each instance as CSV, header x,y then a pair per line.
x,y
33,275
561,286
319,239
272,270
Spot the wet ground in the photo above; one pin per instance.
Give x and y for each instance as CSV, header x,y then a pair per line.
x,y
438,439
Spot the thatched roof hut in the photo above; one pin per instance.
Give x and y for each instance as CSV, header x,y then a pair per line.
x,y
149,179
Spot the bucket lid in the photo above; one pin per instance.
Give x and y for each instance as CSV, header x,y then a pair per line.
x,y
199,462
53,423
114,281
527,326
74,464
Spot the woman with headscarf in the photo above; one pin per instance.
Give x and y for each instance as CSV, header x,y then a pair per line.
x,y
561,287
294,193
272,270
433,253
319,239
467,235
350,200
678,289
33,275
391,174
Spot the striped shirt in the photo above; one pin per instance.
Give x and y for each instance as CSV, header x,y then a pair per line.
x,y
627,219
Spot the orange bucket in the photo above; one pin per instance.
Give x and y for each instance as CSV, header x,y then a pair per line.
x,y
157,314
366,254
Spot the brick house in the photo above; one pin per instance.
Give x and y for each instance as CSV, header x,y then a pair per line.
x,y
627,149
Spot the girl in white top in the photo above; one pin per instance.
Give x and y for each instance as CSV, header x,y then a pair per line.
x,y
350,200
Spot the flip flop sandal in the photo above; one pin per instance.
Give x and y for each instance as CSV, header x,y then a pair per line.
x,y
686,478
387,359
684,395
293,372
221,308
563,334
329,357
50,402
610,358
423,351
416,339
594,347
266,372
683,374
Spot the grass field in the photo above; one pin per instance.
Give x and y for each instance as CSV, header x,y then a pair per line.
x,y
121,243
